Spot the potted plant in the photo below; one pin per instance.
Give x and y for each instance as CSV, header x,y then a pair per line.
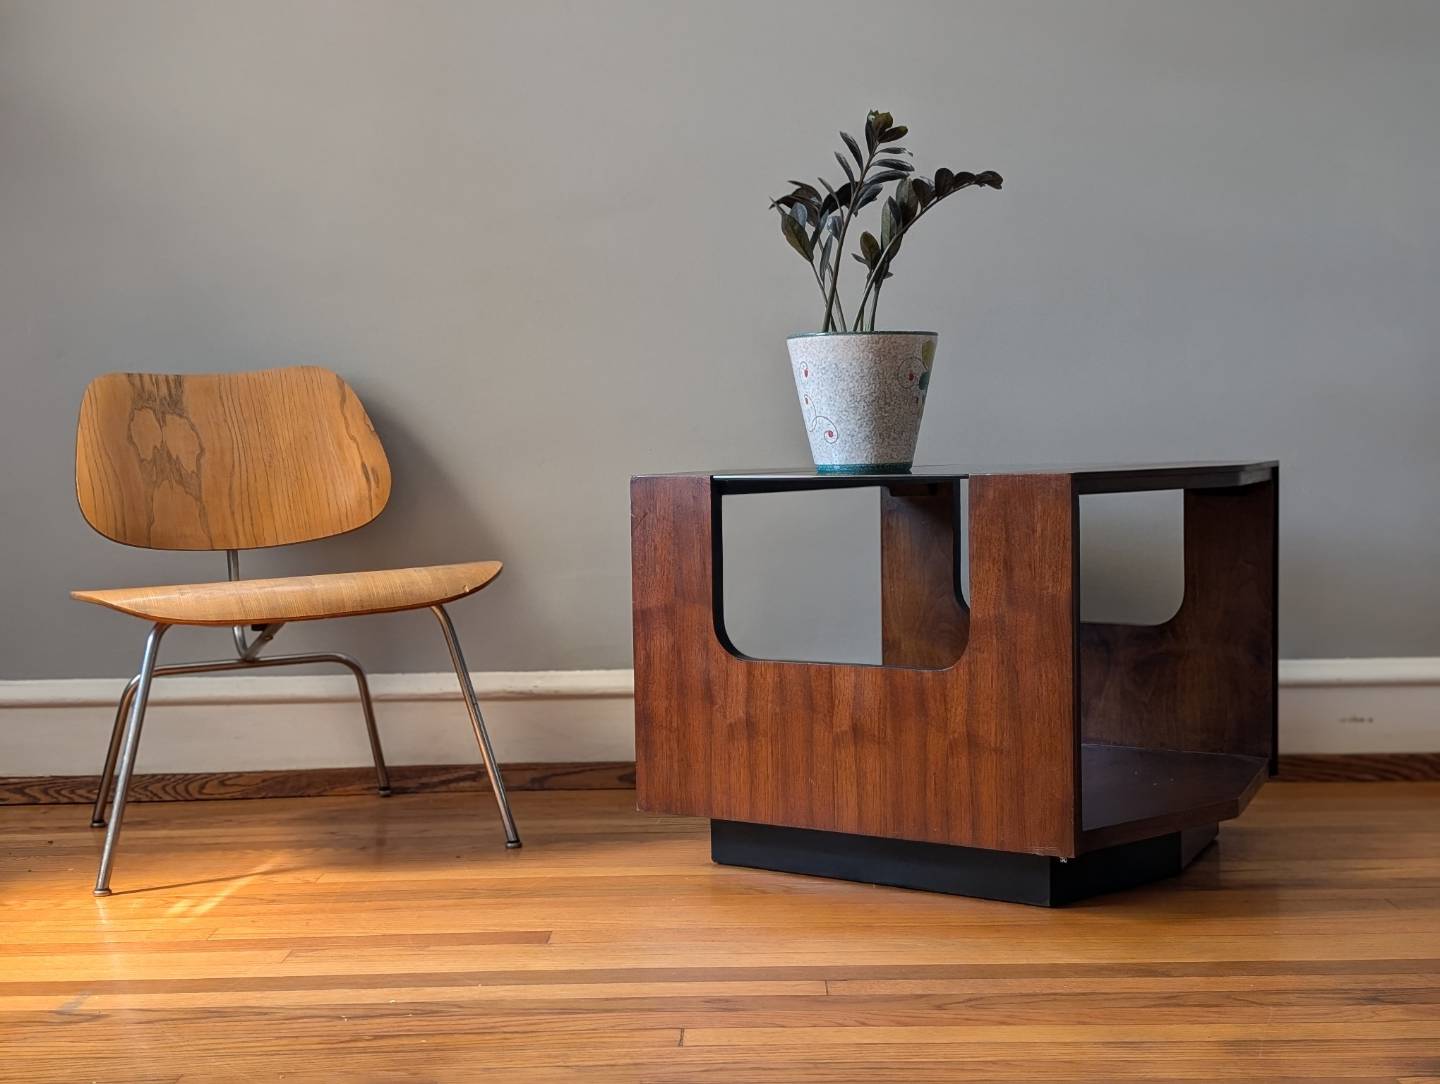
x,y
862,391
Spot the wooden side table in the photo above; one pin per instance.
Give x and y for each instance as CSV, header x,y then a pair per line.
x,y
1004,749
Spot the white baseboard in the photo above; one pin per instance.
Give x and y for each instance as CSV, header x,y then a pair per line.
x,y
263,722
1360,705
254,722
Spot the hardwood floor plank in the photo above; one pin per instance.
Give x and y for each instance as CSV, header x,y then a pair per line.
x,y
350,938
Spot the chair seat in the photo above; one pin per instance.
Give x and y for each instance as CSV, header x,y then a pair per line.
x,y
298,598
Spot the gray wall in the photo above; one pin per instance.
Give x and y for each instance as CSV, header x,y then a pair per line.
x,y
535,237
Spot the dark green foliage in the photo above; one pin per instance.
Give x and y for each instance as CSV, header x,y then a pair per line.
x,y
815,225
794,232
869,249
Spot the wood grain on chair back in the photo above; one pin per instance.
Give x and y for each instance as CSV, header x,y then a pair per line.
x,y
227,461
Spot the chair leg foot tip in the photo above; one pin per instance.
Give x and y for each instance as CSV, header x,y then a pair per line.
x,y
102,892
97,824
385,792
513,844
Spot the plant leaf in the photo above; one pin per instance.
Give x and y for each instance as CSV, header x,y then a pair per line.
x,y
868,195
870,247
908,199
990,179
845,165
884,176
963,180
795,234
890,135
809,193
854,149
857,256
890,222
944,182
875,123
812,208
923,188
896,163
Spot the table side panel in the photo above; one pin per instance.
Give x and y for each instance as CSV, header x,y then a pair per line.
x,y
1205,681
981,754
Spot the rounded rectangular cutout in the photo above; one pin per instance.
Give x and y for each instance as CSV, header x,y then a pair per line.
x,y
1132,557
801,575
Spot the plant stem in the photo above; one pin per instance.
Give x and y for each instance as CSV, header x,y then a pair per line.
x,y
860,324
874,297
819,281
873,282
830,302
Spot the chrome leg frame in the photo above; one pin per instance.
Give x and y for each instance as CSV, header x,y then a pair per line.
x,y
382,776
130,716
467,690
97,815
127,755
248,651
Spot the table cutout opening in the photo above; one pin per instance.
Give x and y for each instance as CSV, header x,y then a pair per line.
x,y
801,576
1132,557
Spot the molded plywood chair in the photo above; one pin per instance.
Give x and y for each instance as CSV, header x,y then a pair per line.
x,y
238,461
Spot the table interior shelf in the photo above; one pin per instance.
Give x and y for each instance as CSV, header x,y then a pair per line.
x,y
1128,793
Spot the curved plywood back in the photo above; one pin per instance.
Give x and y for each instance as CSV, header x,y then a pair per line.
x,y
227,460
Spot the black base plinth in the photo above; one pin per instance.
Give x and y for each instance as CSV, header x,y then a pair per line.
x,y
960,871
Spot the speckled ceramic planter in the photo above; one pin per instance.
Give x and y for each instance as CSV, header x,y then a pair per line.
x,y
862,395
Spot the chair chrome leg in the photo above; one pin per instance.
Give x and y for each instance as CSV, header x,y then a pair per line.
x,y
97,815
127,755
382,776
467,691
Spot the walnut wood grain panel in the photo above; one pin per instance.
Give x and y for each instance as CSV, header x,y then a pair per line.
x,y
191,462
318,782
297,598
1206,679
982,753
923,620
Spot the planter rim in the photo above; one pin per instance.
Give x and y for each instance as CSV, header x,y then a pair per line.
x,y
853,334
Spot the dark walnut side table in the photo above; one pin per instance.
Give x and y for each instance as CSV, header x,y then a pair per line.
x,y
1005,749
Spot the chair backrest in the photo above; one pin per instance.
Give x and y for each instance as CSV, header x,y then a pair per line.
x,y
227,460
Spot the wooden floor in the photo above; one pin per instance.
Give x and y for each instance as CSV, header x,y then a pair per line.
x,y
328,939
